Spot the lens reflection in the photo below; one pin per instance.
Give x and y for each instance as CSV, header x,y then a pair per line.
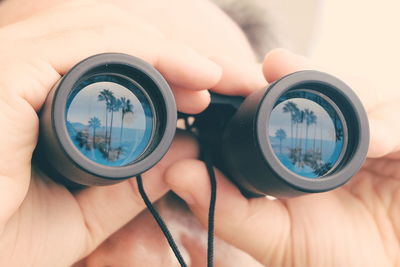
x,y
306,133
109,120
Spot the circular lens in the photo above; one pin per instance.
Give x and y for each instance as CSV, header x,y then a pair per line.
x,y
307,133
110,120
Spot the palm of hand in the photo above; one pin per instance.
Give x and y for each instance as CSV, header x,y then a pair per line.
x,y
47,225
32,222
56,227
356,225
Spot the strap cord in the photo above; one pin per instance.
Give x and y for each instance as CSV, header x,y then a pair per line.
x,y
160,222
211,212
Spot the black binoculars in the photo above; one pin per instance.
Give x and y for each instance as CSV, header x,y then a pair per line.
x,y
113,116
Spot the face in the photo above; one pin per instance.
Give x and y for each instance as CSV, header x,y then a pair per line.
x,y
185,19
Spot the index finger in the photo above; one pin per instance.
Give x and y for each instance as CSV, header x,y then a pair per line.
x,y
280,62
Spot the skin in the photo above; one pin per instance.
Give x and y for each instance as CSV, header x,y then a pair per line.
x,y
356,225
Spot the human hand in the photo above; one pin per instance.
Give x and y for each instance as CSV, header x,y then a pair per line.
x,y
41,222
355,225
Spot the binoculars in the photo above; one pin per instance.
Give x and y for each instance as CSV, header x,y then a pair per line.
x,y
113,116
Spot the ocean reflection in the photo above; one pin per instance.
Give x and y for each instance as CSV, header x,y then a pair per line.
x,y
306,134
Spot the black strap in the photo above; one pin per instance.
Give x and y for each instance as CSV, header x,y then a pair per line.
x,y
211,173
211,210
160,222
164,228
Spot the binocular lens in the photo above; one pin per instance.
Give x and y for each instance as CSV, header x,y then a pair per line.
x,y
307,132
111,117
110,120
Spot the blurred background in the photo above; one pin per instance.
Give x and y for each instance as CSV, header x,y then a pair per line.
x,y
348,36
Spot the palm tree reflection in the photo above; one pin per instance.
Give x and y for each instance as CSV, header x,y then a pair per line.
x,y
300,151
103,140
126,108
94,123
280,134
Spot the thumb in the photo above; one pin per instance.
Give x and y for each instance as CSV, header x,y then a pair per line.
x,y
260,227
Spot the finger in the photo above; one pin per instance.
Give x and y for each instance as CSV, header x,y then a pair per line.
x,y
258,226
180,65
281,62
239,78
106,209
41,58
191,102
381,167
184,67
18,139
384,128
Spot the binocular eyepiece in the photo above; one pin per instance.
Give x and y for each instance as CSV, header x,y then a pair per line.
x,y
113,116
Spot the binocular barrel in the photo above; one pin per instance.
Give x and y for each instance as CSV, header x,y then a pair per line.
x,y
113,116
305,133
